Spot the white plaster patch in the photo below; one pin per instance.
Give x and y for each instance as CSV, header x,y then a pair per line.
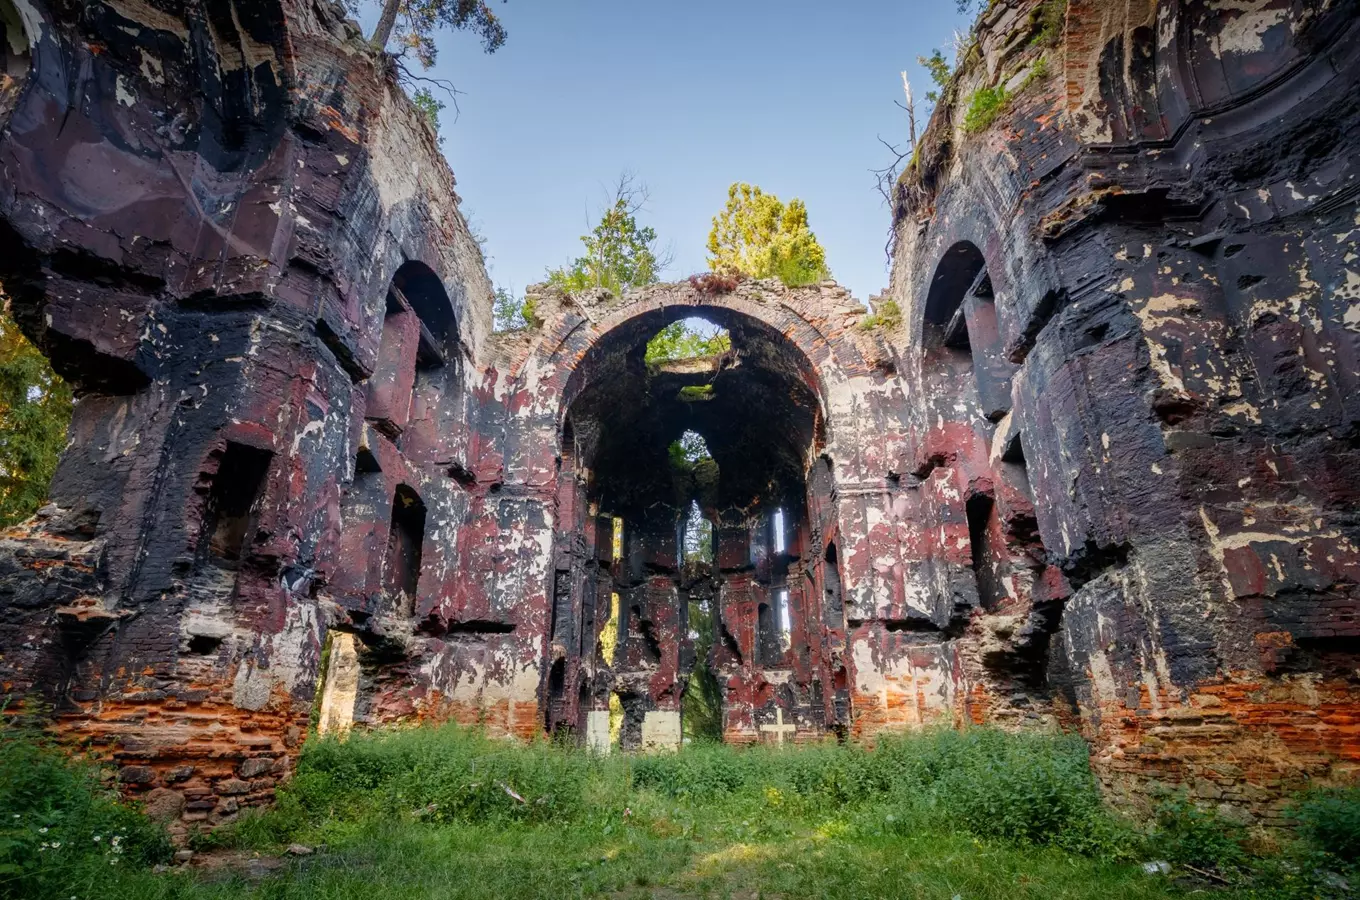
x,y
123,92
597,731
1245,32
660,730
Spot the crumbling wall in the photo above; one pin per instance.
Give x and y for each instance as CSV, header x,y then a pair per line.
x,y
1100,477
205,214
1162,225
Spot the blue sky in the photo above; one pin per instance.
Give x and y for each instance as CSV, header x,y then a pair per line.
x,y
690,97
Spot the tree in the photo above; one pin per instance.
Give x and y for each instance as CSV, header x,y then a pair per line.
x,y
511,313
421,18
35,408
619,253
759,236
684,339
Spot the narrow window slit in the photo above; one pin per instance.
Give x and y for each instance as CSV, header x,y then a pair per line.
x,y
405,543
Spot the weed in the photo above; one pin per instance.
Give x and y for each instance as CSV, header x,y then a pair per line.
x,y
983,108
1048,22
60,824
1329,819
887,315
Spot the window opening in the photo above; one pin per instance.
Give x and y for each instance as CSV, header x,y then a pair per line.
x,y
781,599
617,538
233,503
778,526
698,539
691,338
405,543
979,512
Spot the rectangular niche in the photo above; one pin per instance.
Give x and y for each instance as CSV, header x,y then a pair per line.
x,y
233,504
405,544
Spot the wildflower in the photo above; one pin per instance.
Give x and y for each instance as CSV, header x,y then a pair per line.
x,y
42,830
97,838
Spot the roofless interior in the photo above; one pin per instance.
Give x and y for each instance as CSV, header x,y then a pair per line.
x,y
694,474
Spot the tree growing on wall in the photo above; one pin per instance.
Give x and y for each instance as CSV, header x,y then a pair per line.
x,y
35,408
760,236
619,253
416,21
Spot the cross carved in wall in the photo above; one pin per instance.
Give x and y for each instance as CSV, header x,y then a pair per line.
x,y
779,729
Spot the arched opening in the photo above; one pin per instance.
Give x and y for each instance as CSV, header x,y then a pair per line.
x,y
962,330
418,351
696,463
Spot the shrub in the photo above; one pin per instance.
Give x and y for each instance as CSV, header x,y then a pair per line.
x,y
60,824
1190,835
1329,819
887,314
984,107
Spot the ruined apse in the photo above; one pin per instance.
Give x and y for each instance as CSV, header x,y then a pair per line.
x,y
1100,474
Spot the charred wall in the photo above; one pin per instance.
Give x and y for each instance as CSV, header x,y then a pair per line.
x,y
1166,217
1101,477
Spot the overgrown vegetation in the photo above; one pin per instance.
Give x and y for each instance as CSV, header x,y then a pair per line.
x,y
1048,21
511,313
620,253
62,832
940,73
687,339
35,408
427,103
758,235
983,107
448,812
886,315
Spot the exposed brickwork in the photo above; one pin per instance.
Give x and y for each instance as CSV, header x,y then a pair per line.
x,y
1102,477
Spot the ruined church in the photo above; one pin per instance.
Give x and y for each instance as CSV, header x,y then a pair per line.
x,y
1098,471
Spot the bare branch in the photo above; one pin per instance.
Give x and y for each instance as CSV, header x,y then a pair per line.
x,y
407,77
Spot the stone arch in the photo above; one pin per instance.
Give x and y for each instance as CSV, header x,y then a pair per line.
x,y
425,293
418,346
820,359
765,426
960,317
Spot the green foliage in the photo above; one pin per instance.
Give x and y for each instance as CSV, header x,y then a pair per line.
x,y
1027,789
417,21
619,252
984,107
449,812
35,408
701,706
686,339
1190,835
696,393
61,830
1049,20
1329,819
510,313
427,104
758,235
886,315
940,73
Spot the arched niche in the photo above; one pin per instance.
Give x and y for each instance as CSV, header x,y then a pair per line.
x,y
961,325
418,348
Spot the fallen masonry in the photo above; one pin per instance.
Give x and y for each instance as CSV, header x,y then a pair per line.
x,y
1101,473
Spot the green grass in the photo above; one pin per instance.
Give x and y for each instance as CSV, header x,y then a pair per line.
x,y
448,813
